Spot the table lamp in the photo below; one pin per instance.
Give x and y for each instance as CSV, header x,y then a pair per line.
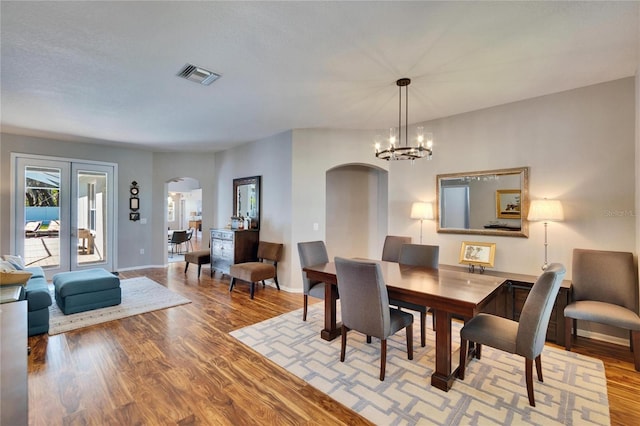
x,y
421,211
545,211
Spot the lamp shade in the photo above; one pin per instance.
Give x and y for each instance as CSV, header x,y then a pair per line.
x,y
546,210
421,211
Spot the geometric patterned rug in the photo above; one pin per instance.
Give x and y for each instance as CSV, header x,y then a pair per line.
x,y
139,295
574,391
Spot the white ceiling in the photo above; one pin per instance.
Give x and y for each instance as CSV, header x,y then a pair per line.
x,y
106,71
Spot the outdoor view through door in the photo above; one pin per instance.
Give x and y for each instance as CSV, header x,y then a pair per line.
x,y
66,212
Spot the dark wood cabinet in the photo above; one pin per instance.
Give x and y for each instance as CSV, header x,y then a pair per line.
x,y
229,246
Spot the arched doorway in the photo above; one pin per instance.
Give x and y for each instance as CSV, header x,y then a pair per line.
x,y
356,210
184,212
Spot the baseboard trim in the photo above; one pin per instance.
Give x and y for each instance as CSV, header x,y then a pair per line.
x,y
603,337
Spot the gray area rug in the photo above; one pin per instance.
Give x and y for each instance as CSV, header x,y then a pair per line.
x,y
574,391
139,295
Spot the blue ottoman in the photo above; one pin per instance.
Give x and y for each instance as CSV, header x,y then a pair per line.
x,y
79,291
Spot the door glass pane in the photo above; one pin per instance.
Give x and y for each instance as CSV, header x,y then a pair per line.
x,y
91,220
42,216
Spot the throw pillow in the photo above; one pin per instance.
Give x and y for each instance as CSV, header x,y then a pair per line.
x,y
16,261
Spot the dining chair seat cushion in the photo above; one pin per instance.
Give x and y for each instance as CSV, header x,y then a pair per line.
x,y
399,320
252,271
317,290
604,313
497,332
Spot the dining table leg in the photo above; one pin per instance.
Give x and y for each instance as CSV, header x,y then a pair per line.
x,y
331,327
443,377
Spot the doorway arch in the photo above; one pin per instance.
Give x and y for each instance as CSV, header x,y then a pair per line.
x,y
356,210
184,207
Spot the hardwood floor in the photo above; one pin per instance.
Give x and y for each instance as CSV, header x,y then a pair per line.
x,y
180,366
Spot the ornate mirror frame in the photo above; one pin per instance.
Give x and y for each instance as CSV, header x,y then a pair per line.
x,y
500,198
246,199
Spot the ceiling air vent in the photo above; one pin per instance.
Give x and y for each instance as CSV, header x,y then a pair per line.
x,y
198,75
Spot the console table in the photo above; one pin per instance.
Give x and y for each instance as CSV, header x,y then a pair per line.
x,y
13,363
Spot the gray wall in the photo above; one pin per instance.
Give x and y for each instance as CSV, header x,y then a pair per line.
x,y
271,159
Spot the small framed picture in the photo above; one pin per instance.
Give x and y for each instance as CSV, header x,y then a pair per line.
x,y
508,203
134,216
134,203
480,254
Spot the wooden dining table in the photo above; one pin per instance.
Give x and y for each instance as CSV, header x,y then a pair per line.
x,y
447,291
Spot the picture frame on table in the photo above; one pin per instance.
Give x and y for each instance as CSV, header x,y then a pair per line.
x,y
477,254
508,204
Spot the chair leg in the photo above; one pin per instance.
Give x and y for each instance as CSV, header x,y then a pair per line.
x,y
463,358
199,268
232,283
186,267
263,284
368,339
343,347
304,308
253,288
410,341
635,338
383,358
275,279
568,337
528,371
423,334
478,347
539,367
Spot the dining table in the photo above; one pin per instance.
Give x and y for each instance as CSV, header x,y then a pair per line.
x,y
447,291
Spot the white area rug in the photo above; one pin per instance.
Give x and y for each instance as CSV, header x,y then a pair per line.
x,y
139,295
574,391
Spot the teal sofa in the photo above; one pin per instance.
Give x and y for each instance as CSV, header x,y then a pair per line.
x,y
36,292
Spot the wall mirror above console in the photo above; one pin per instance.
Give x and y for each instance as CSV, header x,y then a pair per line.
x,y
490,202
246,200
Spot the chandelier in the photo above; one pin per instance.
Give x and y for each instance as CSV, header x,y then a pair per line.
x,y
423,146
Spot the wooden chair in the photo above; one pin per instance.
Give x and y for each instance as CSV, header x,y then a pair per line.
x,y
365,307
265,268
526,337
604,290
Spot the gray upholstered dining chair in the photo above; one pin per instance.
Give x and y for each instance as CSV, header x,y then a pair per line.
x,y
312,253
392,246
418,255
365,307
524,337
604,290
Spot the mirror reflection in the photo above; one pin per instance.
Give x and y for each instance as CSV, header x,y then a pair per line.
x,y
490,202
246,200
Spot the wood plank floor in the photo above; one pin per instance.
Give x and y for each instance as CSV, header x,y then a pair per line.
x,y
180,366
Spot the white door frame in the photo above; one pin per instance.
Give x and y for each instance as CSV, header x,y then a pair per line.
x,y
66,209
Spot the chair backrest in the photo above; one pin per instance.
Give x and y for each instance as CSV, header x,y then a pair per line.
x,y
364,300
270,251
178,237
311,253
392,246
420,255
605,276
536,312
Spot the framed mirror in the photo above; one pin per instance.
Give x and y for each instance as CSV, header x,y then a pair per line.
x,y
246,199
490,202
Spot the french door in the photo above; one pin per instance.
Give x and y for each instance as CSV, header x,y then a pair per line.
x,y
64,213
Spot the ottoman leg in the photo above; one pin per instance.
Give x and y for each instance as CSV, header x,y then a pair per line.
x,y
199,268
186,267
253,287
233,281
